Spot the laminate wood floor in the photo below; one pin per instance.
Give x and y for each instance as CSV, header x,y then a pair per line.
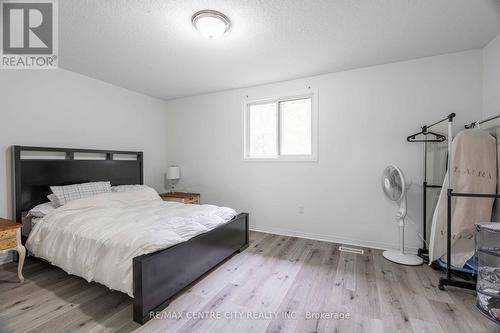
x,y
279,284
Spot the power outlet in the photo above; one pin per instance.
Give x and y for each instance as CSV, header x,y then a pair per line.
x,y
300,209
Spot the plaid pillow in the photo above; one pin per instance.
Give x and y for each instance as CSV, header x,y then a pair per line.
x,y
69,193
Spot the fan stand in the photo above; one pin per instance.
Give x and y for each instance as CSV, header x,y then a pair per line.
x,y
400,257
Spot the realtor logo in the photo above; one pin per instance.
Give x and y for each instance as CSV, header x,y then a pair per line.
x,y
29,34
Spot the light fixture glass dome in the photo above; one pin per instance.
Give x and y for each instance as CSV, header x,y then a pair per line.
x,y
210,23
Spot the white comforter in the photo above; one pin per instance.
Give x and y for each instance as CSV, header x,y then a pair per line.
x,y
97,237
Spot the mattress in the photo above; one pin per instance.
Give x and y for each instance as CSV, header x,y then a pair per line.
x,y
97,237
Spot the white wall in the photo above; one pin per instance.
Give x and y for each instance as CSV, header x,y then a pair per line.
x,y
58,108
491,96
491,78
365,116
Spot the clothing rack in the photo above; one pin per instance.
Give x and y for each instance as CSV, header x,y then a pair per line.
x,y
448,281
439,138
423,252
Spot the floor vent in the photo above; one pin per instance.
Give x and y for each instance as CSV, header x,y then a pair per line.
x,y
351,250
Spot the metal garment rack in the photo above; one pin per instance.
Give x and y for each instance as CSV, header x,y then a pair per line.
x,y
423,252
448,280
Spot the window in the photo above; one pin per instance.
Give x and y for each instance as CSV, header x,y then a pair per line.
x,y
281,129
262,130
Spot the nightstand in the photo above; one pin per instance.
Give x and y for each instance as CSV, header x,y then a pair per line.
x,y
10,239
183,197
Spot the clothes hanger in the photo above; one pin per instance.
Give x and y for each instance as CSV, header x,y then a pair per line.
x,y
424,131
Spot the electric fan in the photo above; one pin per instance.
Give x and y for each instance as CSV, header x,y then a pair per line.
x,y
395,186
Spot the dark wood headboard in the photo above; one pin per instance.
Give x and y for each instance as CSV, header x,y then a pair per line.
x,y
34,176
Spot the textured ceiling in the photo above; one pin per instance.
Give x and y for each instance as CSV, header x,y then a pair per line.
x,y
150,46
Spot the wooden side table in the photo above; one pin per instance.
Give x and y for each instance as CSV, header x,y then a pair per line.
x,y
183,197
10,239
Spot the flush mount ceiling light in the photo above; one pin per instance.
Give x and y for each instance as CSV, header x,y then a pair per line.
x,y
210,23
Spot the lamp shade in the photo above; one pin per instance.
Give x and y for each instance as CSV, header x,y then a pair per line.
x,y
173,172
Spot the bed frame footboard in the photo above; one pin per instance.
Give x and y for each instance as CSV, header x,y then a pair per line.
x,y
161,275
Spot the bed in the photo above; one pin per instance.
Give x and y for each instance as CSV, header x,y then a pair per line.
x,y
157,276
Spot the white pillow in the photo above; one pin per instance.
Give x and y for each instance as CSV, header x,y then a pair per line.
x,y
126,188
52,198
34,221
42,209
69,193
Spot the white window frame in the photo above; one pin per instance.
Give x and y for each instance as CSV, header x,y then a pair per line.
x,y
309,93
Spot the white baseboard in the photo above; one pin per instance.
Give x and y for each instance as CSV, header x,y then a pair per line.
x,y
331,239
5,257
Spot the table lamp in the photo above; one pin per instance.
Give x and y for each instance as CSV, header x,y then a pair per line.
x,y
173,176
